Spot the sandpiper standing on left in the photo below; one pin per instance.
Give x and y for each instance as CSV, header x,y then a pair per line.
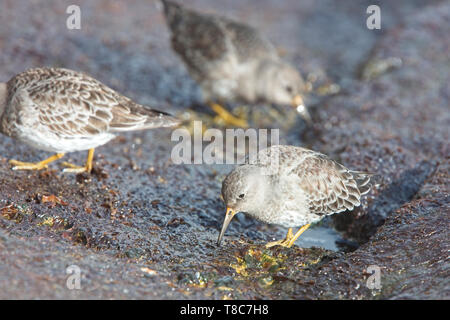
x,y
61,110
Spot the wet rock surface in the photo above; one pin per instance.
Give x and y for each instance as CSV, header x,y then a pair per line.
x,y
143,227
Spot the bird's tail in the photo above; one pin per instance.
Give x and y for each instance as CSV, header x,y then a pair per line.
x,y
173,12
363,181
140,117
157,119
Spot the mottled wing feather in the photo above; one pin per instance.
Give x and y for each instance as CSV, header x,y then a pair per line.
x,y
82,111
329,186
71,104
128,115
198,39
201,39
248,42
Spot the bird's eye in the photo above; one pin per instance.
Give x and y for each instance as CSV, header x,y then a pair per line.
x,y
241,196
289,89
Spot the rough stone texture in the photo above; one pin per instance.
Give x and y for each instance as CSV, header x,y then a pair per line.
x,y
142,227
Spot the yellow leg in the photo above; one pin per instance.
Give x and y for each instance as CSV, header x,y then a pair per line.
x,y
77,169
19,165
227,116
290,238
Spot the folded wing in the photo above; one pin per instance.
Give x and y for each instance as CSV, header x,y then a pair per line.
x,y
72,104
329,186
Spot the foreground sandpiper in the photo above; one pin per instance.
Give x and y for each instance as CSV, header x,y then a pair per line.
x,y
232,62
61,110
291,187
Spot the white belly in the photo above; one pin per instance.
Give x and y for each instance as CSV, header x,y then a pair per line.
x,y
287,206
53,143
291,219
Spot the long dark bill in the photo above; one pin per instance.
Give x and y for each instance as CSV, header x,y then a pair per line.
x,y
230,214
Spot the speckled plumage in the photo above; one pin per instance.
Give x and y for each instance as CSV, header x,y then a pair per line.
x,y
231,61
61,110
301,189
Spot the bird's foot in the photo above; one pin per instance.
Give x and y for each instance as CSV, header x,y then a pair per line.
x,y
284,243
235,122
72,168
227,117
290,238
287,242
19,165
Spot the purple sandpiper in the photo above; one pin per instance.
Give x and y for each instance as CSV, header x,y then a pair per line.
x,y
232,62
61,110
302,188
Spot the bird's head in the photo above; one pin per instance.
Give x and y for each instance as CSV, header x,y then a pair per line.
x,y
243,190
282,84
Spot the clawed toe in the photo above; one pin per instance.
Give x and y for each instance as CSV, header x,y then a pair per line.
x,y
72,168
227,117
290,238
19,165
284,243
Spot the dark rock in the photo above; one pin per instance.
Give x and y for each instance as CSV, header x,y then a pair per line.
x,y
150,233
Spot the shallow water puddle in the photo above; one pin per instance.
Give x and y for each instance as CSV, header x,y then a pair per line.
x,y
319,236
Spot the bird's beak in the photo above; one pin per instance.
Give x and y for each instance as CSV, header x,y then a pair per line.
x,y
230,214
299,105
298,101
